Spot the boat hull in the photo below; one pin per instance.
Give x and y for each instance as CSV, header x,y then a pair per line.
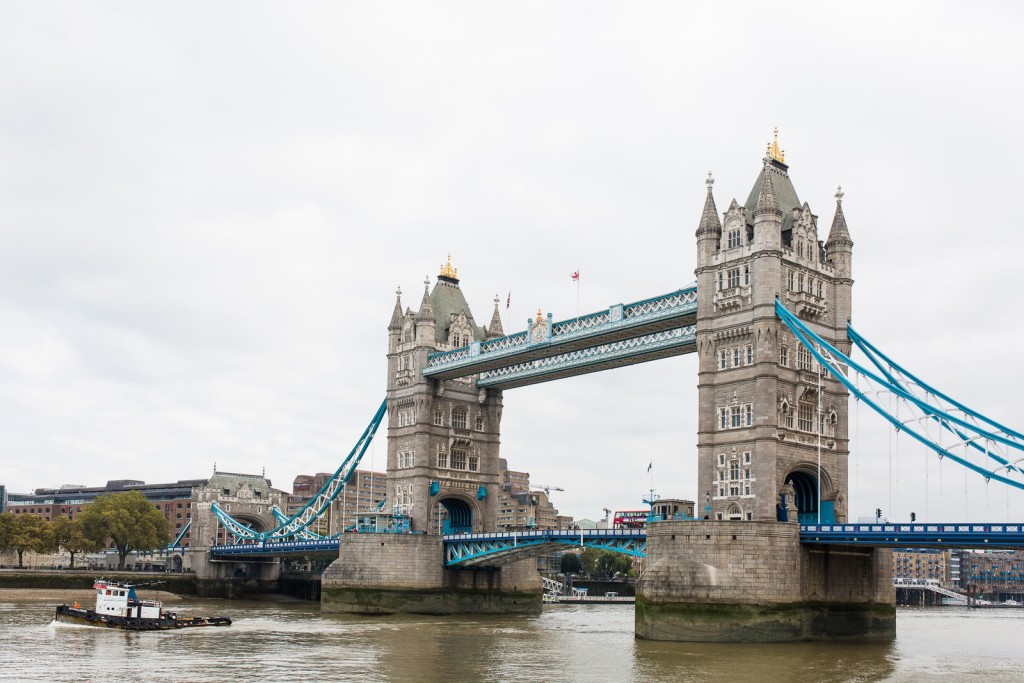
x,y
87,617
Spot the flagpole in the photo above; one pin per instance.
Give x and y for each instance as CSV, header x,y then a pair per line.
x,y
577,294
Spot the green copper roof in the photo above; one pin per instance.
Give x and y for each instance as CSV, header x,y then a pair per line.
x,y
785,193
447,300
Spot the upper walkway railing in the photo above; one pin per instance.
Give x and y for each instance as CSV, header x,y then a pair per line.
x,y
507,361
963,535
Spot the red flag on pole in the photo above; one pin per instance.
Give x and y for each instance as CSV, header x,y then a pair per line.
x,y
509,301
576,275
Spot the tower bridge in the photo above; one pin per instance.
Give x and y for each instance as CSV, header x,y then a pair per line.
x,y
774,556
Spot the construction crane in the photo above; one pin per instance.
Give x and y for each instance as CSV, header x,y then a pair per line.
x,y
546,489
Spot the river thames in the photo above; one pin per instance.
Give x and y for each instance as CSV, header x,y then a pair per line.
x,y
292,641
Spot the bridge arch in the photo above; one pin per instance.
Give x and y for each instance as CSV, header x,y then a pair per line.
x,y
455,514
804,480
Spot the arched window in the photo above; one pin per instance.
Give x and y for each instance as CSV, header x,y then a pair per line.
x,y
459,418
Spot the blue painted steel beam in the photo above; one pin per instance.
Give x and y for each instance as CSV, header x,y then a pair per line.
x,y
496,549
962,535
617,323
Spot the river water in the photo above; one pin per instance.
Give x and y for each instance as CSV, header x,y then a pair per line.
x,y
292,641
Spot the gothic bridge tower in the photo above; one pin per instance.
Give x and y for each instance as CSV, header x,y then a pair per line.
x,y
443,436
767,416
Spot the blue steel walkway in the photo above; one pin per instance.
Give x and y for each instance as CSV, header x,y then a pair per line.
x,y
624,334
496,549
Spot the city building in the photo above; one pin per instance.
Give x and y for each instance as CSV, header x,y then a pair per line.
x,y
999,573
921,563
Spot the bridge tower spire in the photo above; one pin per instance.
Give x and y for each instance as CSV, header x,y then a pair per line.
x,y
443,435
760,413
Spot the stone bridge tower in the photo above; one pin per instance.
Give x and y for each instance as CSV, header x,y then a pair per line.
x,y
766,413
443,436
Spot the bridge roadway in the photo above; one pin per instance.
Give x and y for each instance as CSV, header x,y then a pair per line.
x,y
623,334
495,549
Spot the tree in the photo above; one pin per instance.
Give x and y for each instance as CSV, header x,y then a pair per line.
x,y
129,520
69,537
571,564
23,532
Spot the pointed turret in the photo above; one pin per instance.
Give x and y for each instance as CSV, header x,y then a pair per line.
x,y
709,232
426,311
839,246
396,316
495,330
425,322
766,201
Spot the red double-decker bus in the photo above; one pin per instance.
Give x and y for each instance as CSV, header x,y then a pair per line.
x,y
630,519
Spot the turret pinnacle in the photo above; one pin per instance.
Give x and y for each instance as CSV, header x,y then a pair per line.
x,y
766,202
494,329
839,234
396,316
709,221
426,311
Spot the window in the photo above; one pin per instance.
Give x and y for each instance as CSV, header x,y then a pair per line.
x,y
723,359
799,248
734,277
721,459
784,356
734,470
458,419
746,475
406,459
734,413
800,282
746,459
458,459
810,251
749,410
720,281
790,280
804,360
723,422
746,275
736,357
734,238
442,457
750,354
789,420
805,420
479,423
474,463
439,417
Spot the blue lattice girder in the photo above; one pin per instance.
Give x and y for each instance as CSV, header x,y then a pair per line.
x,y
663,344
839,364
617,323
960,535
500,548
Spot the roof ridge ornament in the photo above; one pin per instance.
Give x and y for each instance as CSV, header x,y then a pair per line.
x,y
839,194
774,152
447,270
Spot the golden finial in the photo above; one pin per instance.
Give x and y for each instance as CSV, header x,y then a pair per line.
x,y
773,149
448,271
540,316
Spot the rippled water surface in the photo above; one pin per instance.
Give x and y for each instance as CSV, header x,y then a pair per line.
x,y
294,642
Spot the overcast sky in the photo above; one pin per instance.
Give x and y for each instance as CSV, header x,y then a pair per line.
x,y
206,208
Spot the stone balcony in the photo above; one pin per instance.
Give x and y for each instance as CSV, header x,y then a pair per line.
x,y
732,298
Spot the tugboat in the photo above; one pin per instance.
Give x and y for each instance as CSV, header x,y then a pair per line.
x,y
118,606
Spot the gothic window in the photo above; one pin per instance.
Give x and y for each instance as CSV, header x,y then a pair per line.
x,y
749,410
784,356
406,459
723,359
734,470
805,420
458,459
804,360
408,362
800,282
723,418
459,418
789,420
735,416
750,354
407,334
721,459
799,248
746,275
810,251
790,280
821,289
734,238
746,475
734,277
442,457
720,280
746,460
736,357
439,417
474,463
479,423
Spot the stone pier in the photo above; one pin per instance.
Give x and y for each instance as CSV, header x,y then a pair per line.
x,y
405,573
752,581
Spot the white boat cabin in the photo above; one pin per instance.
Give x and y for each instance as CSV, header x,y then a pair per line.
x,y
122,601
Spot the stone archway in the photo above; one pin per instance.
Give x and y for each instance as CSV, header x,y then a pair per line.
x,y
454,515
806,499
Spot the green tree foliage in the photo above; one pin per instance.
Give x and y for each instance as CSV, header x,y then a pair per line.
x,y
571,564
24,532
606,562
69,537
129,520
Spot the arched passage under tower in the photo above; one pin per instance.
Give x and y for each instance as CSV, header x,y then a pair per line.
x,y
454,515
806,498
